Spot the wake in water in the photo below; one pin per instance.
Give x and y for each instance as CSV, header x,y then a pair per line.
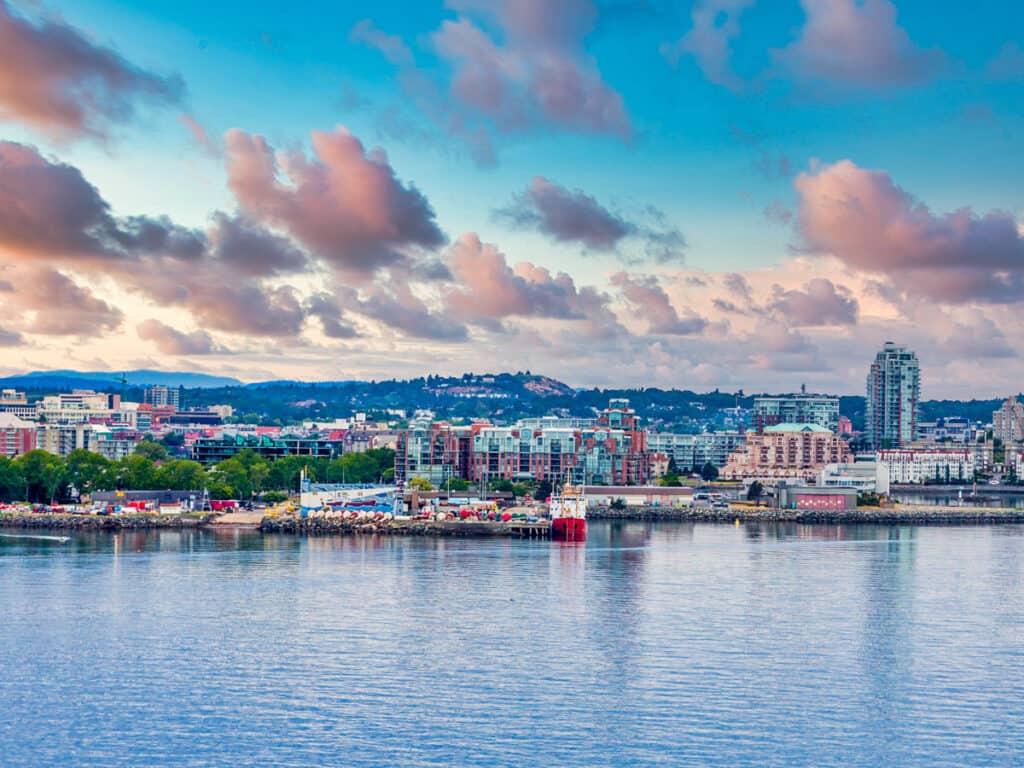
x,y
57,539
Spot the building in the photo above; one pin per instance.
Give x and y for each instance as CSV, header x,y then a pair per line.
x,y
815,499
17,436
113,445
691,452
928,465
210,450
802,408
639,495
61,439
16,403
79,406
161,395
798,451
862,476
1008,422
845,427
893,394
434,451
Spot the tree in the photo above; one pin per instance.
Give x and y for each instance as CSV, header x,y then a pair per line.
x,y
543,490
137,473
755,491
12,481
151,450
231,477
618,503
501,485
180,475
420,484
709,472
457,484
89,472
43,474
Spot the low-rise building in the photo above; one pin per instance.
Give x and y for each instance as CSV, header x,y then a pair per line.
x,y
928,465
809,498
862,476
795,451
210,450
17,436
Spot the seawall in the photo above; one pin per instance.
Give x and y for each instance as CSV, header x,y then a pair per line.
x,y
904,514
101,522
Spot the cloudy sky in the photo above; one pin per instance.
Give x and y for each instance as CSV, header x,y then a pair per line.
x,y
720,193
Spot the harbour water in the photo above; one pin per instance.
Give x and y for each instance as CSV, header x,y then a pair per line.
x,y
653,644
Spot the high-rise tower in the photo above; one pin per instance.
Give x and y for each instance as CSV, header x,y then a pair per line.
x,y
893,394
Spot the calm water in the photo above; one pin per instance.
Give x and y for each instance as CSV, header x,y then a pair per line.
x,y
663,644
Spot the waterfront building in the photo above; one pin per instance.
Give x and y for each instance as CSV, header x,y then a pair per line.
x,y
111,444
17,436
893,395
681,449
434,451
210,450
863,476
798,451
1008,422
801,408
61,439
160,395
927,465
815,499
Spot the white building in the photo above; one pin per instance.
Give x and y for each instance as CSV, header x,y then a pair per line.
x,y
79,406
864,476
942,465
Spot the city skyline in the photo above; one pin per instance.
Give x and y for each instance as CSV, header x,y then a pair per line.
x,y
720,195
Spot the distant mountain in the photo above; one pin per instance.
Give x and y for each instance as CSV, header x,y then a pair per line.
x,y
67,379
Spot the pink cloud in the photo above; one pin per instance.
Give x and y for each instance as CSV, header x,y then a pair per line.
x,y
648,299
820,302
346,205
856,43
199,135
52,77
863,218
171,341
392,47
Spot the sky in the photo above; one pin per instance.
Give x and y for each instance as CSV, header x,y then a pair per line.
x,y
734,194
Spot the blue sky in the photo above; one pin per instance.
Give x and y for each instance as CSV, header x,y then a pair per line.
x,y
705,148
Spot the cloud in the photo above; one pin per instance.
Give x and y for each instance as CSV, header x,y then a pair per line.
x,y
10,338
49,211
345,205
715,26
49,302
391,46
1008,64
819,303
540,73
489,290
738,285
199,135
649,301
398,308
574,216
856,43
54,78
248,249
327,309
171,341
868,222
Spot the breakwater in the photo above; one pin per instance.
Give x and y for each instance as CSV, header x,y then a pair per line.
x,y
340,526
101,522
904,514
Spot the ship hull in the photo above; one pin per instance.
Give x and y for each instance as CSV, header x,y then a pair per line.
x,y
569,529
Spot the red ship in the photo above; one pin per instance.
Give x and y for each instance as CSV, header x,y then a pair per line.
x,y
568,511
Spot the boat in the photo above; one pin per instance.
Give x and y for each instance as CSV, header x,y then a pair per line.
x,y
567,509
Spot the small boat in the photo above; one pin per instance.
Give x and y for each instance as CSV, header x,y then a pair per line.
x,y
567,509
55,539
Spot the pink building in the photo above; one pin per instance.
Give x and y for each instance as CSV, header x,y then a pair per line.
x,y
787,451
16,436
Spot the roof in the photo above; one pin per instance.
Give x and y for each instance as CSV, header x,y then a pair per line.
x,y
795,427
10,421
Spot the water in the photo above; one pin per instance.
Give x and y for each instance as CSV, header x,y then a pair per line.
x,y
990,497
666,644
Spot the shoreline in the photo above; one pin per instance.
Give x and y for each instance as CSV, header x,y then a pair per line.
x,y
319,526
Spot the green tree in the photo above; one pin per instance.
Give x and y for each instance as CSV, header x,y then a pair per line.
x,y
502,485
180,475
543,490
137,473
709,472
43,474
421,484
89,472
233,476
151,450
283,474
12,481
755,491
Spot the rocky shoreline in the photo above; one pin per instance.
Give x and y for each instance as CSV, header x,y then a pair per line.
x,y
902,515
102,522
328,526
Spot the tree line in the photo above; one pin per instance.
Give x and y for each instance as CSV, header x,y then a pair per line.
x,y
41,477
